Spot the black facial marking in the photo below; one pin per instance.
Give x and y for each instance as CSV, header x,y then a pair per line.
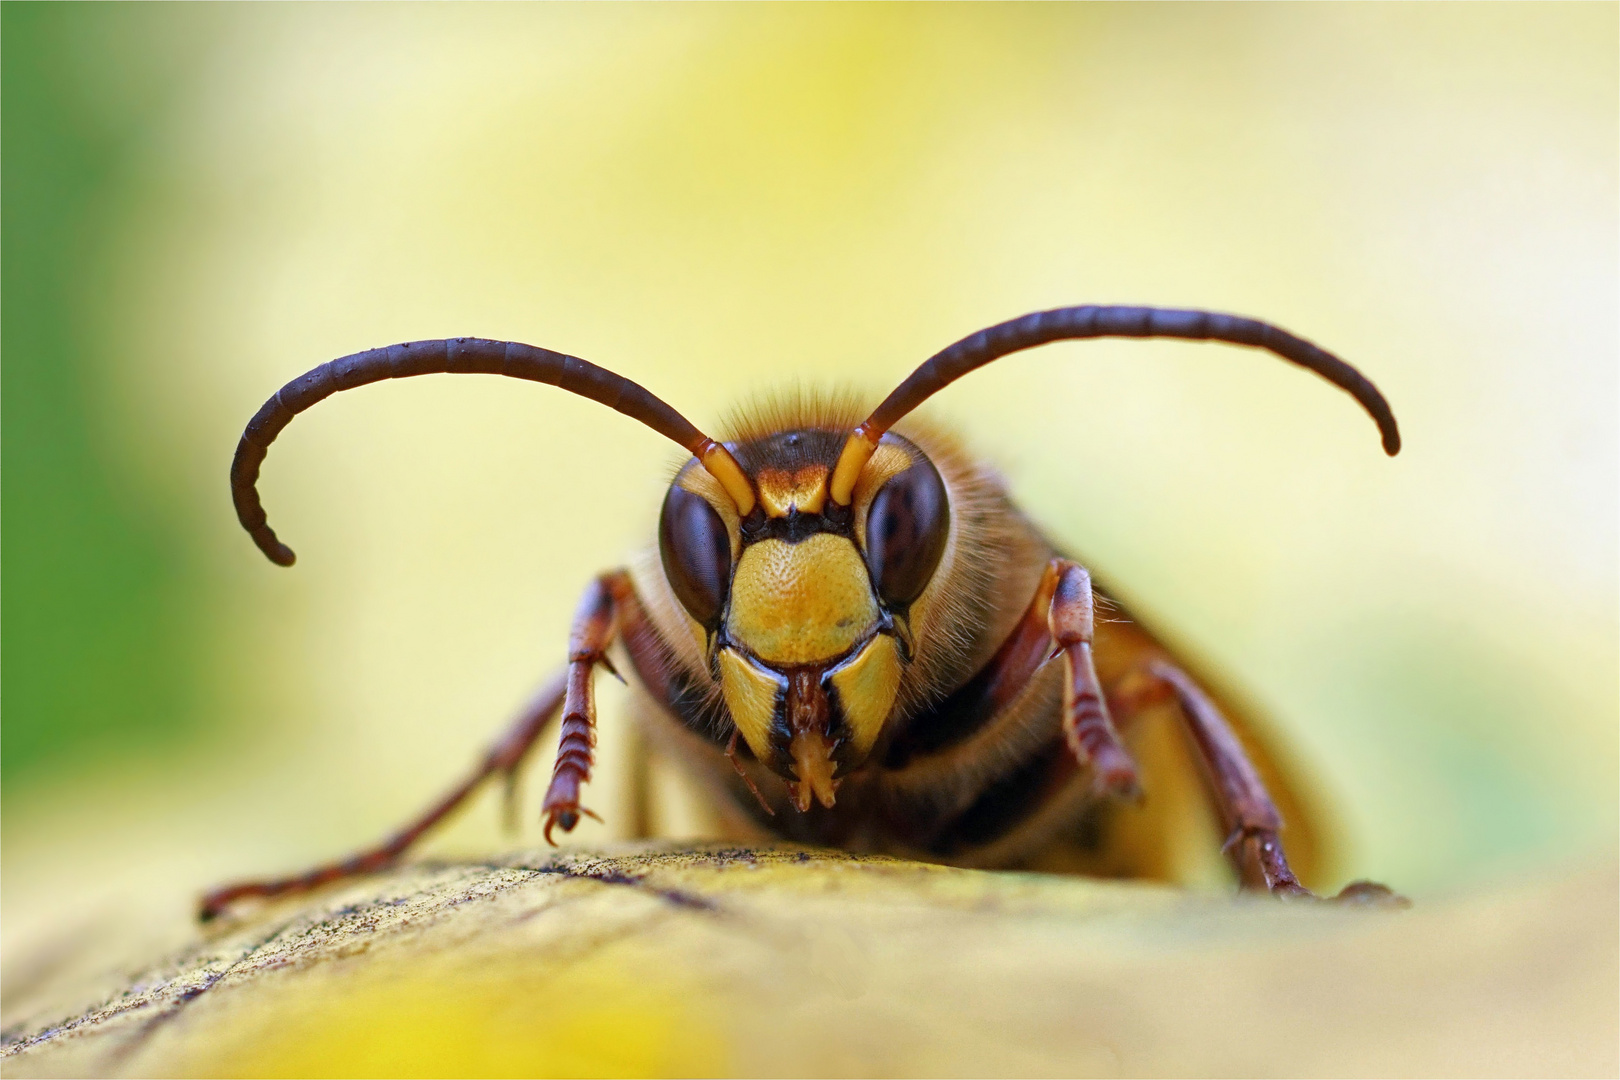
x,y
797,526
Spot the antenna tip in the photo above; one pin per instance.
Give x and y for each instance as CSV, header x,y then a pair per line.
x,y
275,550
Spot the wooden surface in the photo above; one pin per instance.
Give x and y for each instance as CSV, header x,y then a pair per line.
x,y
715,961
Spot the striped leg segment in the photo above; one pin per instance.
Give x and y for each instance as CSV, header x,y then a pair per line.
x,y
595,628
1087,726
504,758
1059,621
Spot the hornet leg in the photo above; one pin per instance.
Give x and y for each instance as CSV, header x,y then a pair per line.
x,y
595,628
1058,621
503,758
1245,806
1087,726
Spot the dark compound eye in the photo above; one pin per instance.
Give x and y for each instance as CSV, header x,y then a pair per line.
x,y
697,554
906,528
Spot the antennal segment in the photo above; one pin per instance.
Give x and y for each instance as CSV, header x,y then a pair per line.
x,y
1092,321
459,356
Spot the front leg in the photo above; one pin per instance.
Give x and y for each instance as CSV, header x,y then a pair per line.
x,y
595,629
1086,724
1058,621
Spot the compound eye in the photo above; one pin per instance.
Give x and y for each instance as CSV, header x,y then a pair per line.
x,y
906,529
697,554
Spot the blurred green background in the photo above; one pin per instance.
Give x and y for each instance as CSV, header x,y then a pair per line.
x,y
201,202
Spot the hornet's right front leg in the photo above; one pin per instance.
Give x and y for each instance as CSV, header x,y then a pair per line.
x,y
595,629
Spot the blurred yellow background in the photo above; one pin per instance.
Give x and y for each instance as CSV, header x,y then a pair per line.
x,y
202,202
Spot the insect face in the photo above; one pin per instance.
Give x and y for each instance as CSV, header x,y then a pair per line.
x,y
803,604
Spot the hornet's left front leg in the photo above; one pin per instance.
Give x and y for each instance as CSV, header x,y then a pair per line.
x,y
1059,621
1086,724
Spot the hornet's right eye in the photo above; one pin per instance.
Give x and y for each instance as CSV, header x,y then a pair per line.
x,y
697,554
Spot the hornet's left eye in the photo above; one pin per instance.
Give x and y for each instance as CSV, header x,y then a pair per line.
x,y
696,553
906,528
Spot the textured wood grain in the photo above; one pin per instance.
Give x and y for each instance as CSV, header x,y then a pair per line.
x,y
715,961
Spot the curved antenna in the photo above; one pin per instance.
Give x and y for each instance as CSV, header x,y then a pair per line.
x,y
460,356
1092,321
